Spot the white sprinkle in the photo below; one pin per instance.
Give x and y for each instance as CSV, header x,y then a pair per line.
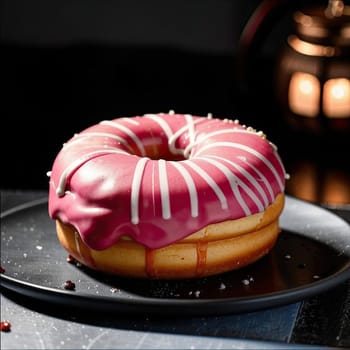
x,y
39,247
222,286
273,146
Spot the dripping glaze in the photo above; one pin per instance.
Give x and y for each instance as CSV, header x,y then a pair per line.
x,y
158,178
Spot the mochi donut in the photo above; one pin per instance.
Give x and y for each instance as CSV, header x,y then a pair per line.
x,y
167,196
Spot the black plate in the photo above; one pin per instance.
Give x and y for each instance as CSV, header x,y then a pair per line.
x,y
312,255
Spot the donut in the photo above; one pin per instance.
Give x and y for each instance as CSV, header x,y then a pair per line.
x,y
167,196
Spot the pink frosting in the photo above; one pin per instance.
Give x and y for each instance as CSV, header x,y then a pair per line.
x,y
158,178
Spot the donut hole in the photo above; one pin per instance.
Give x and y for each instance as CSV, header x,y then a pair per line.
x,y
157,145
167,157
159,151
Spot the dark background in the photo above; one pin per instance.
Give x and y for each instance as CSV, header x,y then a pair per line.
x,y
66,65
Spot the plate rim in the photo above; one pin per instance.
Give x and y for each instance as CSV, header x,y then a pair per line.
x,y
144,304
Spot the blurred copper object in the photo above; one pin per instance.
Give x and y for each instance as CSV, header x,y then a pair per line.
x,y
313,69
311,78
311,182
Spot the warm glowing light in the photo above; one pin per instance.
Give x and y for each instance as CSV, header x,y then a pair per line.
x,y
310,182
336,98
304,94
310,49
306,87
337,92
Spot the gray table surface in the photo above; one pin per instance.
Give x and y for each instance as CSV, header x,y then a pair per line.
x,y
36,325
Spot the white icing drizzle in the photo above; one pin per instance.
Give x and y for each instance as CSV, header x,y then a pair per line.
x,y
273,146
211,134
190,124
135,189
130,121
162,123
260,174
60,190
249,150
164,186
235,130
248,176
172,137
211,183
234,183
80,137
127,131
279,161
192,135
178,133
192,189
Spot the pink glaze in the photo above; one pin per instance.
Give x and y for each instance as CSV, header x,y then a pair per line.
x,y
160,177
